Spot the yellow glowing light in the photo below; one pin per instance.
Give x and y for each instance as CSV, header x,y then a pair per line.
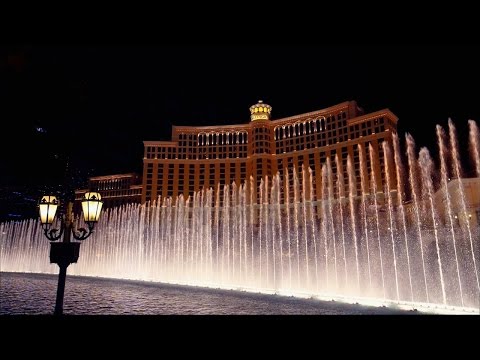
x,y
92,206
48,207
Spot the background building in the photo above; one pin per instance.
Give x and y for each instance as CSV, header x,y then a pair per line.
x,y
116,190
203,157
471,201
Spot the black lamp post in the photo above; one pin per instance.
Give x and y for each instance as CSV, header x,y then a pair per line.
x,y
65,252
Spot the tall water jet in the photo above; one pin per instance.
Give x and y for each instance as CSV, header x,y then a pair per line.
x,y
305,236
341,197
457,169
274,201
198,239
235,224
266,210
209,229
365,193
217,228
279,222
331,199
296,200
444,181
252,221
261,229
426,166
244,232
168,232
162,237
287,206
314,230
226,234
400,201
324,218
375,204
413,178
474,140
201,232
386,156
208,239
177,228
352,193
186,234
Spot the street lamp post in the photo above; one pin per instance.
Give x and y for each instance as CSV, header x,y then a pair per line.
x,y
66,252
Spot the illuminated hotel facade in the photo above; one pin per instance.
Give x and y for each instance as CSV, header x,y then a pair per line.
x,y
116,190
208,156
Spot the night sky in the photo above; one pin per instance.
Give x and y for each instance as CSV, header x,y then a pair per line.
x,y
94,105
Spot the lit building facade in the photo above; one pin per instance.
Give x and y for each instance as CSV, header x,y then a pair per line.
x,y
116,190
208,156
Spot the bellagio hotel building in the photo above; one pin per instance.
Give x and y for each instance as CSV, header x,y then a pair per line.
x,y
203,157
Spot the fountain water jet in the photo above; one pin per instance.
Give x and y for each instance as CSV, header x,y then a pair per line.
x,y
387,155
400,201
426,166
365,193
341,196
458,174
375,204
331,200
444,180
353,188
412,164
306,230
474,140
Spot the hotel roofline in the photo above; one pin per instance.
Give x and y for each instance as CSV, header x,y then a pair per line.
x,y
277,122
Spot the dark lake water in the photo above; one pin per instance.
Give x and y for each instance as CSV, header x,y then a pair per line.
x,y
35,294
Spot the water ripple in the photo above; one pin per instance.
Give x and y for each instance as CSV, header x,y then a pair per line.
x,y
35,294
